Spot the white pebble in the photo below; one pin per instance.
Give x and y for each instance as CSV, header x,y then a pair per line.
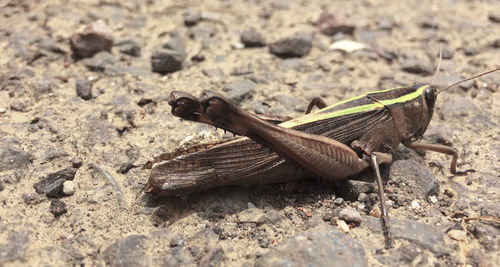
x,y
433,199
68,188
3,110
415,205
342,225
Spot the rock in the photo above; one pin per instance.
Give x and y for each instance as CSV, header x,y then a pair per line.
x,y
215,257
458,107
125,167
316,247
252,215
417,66
413,232
416,180
57,207
19,105
84,89
491,210
404,254
496,43
129,251
458,235
96,37
166,61
13,159
192,17
52,184
350,189
488,236
347,46
131,48
31,199
100,61
1,186
99,131
297,45
178,256
213,73
338,201
350,214
330,23
68,188
239,90
250,37
343,226
475,257
494,16
14,246
447,53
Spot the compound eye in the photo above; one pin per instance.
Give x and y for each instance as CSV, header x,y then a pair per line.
x,y
430,96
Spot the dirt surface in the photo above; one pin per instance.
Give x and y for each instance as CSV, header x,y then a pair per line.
x,y
70,176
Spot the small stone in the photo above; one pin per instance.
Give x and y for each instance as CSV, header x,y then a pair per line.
x,y
330,23
338,201
252,215
52,184
362,197
96,37
131,48
68,188
351,189
250,205
1,186
496,43
13,159
458,235
250,37
447,53
100,61
494,16
416,180
3,110
76,163
433,199
239,90
57,207
129,251
192,17
166,61
415,205
350,214
375,212
417,66
18,105
125,167
297,45
84,89
342,225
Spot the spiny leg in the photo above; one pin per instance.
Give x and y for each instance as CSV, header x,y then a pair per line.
x,y
444,150
384,218
318,102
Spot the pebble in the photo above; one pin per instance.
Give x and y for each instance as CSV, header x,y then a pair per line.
x,y
362,197
57,207
166,60
415,205
351,189
418,181
342,225
338,201
250,37
129,251
239,90
52,184
192,17
494,16
458,235
316,247
331,23
3,110
13,159
131,48
297,45
19,105
350,214
100,61
96,37
68,188
417,66
84,89
252,215
375,212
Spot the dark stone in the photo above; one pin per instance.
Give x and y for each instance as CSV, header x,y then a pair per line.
x,y
330,23
423,235
297,45
130,47
417,66
418,181
100,61
488,236
125,167
192,17
239,90
14,247
447,53
178,256
99,131
52,184
32,199
19,105
12,159
215,257
84,89
166,61
494,16
496,43
96,37
1,186
350,189
57,207
250,37
316,247
405,254
129,251
430,24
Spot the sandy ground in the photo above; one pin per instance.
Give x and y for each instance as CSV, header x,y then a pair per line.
x,y
45,127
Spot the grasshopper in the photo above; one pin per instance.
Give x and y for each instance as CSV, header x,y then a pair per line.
x,y
333,143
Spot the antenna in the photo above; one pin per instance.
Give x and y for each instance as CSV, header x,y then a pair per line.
x,y
439,64
468,79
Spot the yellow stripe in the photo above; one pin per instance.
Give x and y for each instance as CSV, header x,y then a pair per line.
x,y
312,117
